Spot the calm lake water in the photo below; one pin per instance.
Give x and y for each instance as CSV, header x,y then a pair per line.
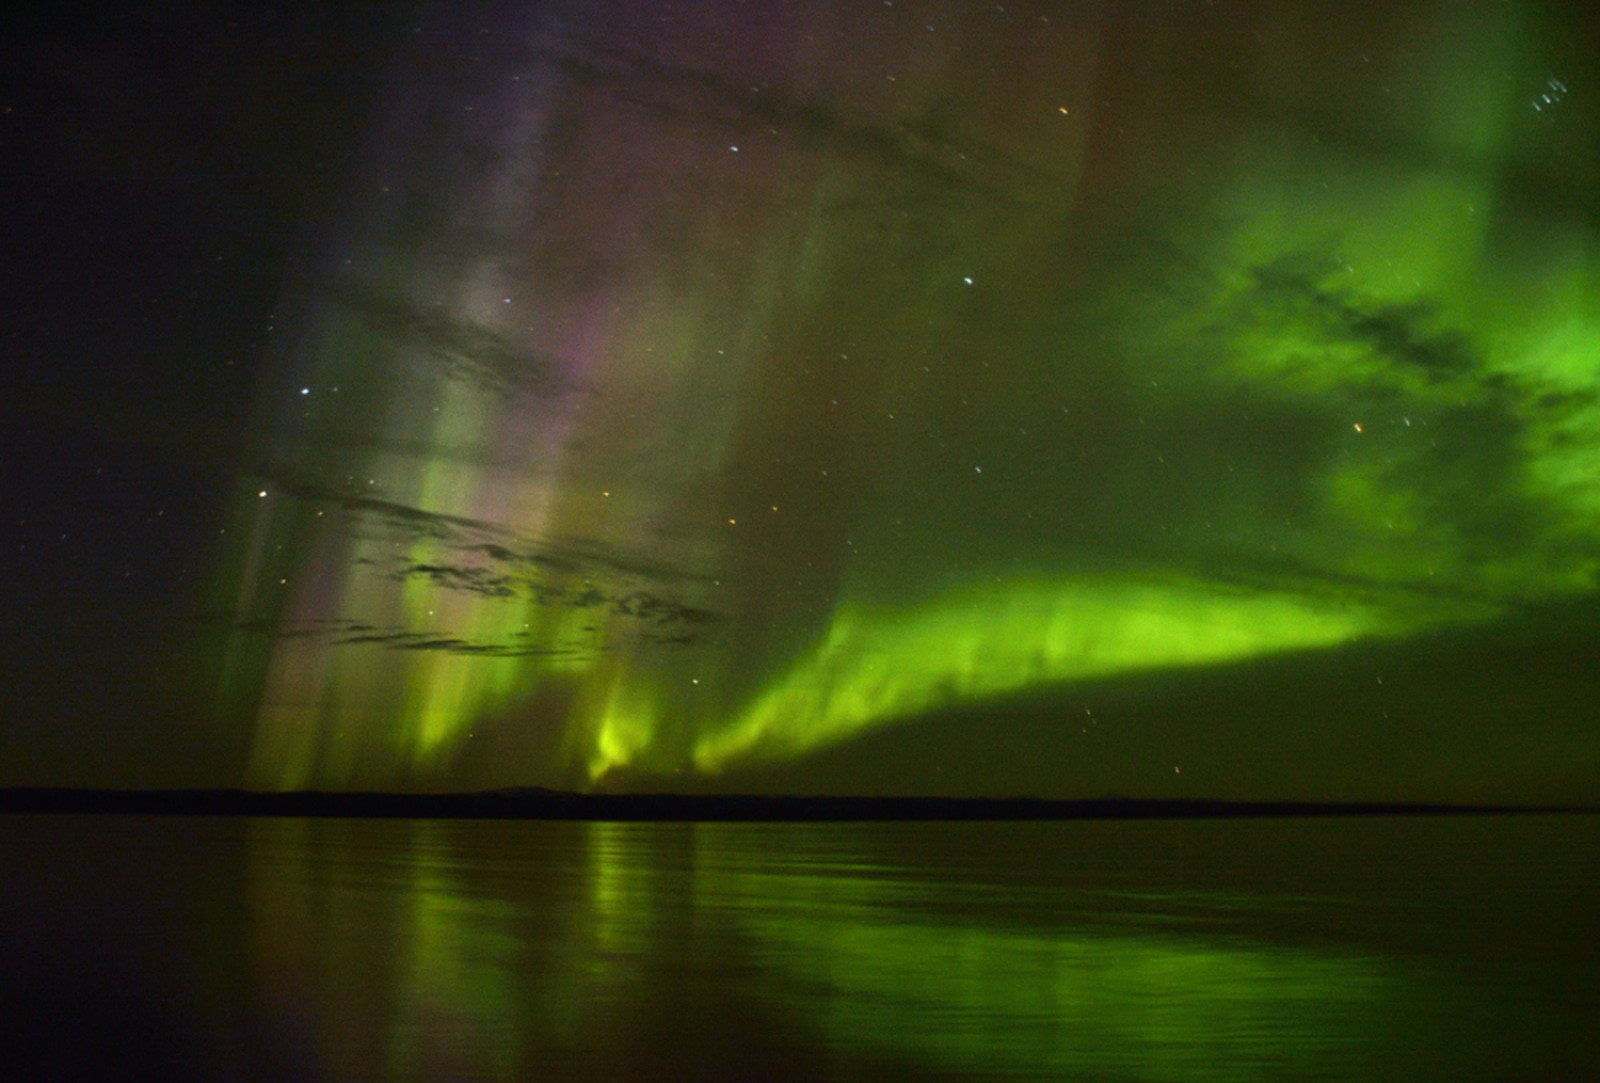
x,y
1433,948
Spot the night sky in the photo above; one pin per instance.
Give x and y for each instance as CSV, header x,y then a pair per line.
x,y
1157,399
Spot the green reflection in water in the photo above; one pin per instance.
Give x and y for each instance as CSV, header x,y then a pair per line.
x,y
429,950
455,994
533,950
937,975
1159,1007
366,930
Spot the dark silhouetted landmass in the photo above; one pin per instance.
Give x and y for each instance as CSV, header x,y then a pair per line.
x,y
541,804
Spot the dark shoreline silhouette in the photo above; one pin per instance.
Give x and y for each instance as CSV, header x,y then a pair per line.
x,y
541,804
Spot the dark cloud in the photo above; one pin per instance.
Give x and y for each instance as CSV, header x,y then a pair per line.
x,y
459,350
1303,287
649,607
477,580
408,520
687,623
497,571
923,148
433,641
569,556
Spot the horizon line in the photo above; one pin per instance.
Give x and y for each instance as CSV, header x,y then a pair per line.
x,y
542,803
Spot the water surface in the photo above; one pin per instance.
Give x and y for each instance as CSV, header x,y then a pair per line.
x,y
1429,948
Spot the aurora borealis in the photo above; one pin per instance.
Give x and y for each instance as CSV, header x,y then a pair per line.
x,y
677,395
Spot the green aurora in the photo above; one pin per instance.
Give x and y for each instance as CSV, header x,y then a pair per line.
x,y
657,413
